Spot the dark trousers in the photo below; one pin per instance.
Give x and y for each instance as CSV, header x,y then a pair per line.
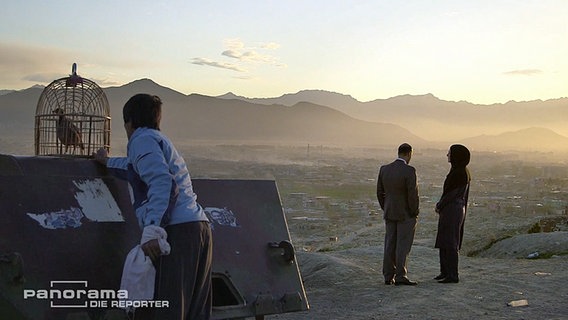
x,y
449,262
183,278
399,236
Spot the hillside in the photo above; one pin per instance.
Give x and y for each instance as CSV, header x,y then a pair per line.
x,y
18,111
530,139
319,117
202,118
334,100
436,119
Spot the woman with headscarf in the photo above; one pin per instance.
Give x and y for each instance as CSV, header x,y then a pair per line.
x,y
452,209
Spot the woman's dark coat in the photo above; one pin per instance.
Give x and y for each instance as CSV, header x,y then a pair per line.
x,y
452,206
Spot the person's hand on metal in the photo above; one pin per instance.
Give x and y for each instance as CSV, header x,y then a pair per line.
x,y
101,156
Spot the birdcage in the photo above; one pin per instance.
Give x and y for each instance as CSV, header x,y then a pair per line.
x,y
72,118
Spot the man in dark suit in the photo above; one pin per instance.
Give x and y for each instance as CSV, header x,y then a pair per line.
x,y
397,192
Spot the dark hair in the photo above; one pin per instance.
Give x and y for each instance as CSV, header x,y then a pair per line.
x,y
143,110
459,155
404,148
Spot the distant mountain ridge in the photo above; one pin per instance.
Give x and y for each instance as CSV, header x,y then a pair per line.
x,y
321,97
529,139
303,118
202,118
436,119
3,92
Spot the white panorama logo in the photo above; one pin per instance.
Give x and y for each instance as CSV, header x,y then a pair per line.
x,y
76,294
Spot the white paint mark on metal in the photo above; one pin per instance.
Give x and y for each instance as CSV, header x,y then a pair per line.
x,y
96,201
69,218
222,216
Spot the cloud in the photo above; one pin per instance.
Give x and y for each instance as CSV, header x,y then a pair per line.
x,y
236,49
234,44
250,55
232,54
523,72
106,82
43,77
270,46
50,77
223,65
20,62
244,77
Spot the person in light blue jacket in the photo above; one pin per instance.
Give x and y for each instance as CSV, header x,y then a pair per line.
x,y
164,196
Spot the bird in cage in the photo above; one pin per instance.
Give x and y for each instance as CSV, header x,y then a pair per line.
x,y
67,132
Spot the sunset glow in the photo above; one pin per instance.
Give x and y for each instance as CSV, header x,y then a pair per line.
x,y
480,51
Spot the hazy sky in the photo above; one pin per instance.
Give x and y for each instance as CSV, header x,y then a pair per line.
x,y
481,51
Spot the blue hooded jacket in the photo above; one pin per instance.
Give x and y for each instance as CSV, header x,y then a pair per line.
x,y
161,183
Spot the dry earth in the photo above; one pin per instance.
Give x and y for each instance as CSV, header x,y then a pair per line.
x,y
347,283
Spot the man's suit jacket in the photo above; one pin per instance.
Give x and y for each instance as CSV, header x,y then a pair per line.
x,y
397,191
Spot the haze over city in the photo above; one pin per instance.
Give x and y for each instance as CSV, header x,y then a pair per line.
x,y
482,52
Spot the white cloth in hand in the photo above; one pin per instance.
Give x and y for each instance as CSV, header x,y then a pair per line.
x,y
139,274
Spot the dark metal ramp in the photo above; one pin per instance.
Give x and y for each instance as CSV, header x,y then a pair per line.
x,y
67,227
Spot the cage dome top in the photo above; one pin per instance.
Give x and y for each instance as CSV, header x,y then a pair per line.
x,y
72,117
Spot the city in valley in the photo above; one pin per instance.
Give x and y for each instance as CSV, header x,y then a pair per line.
x,y
329,193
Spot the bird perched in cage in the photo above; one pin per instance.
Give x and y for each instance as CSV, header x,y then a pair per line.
x,y
67,132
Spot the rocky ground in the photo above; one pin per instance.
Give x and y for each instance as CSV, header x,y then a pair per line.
x,y
347,283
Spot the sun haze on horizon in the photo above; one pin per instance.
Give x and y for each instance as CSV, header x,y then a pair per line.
x,y
483,52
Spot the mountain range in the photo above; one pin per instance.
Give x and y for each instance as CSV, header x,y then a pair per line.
x,y
435,119
321,117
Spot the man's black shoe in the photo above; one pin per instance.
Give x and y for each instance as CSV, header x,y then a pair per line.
x,y
449,280
440,276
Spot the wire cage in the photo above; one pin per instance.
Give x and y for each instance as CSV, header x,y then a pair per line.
x,y
72,118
